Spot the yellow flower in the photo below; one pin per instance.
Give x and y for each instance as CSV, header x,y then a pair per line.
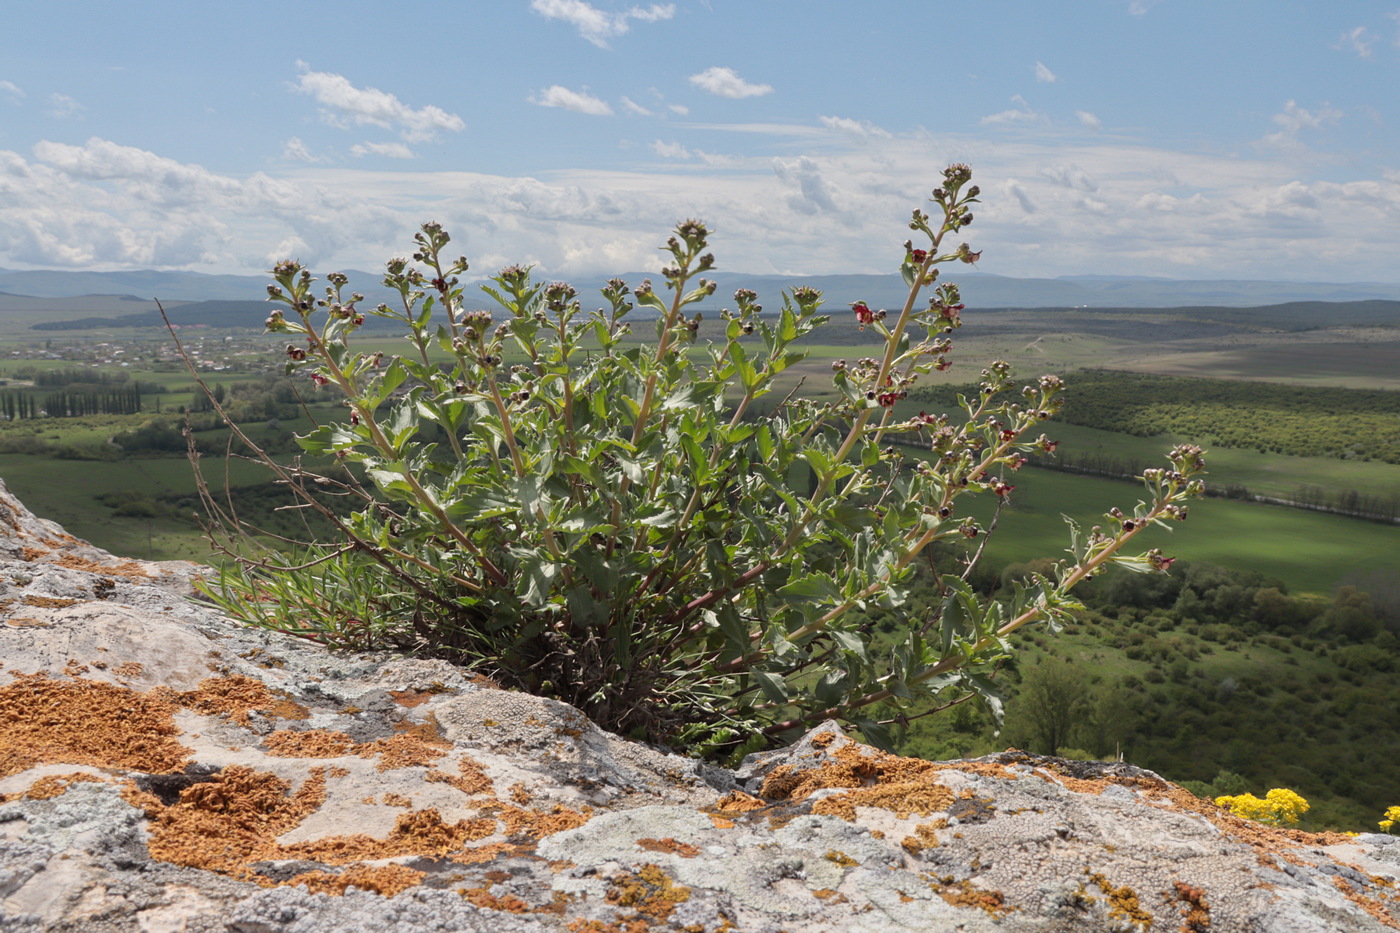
x,y
1278,807
1386,824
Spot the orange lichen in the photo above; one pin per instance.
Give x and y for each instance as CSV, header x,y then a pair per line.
x,y
649,891
309,743
125,568
1195,910
129,669
482,897
417,746
397,800
418,832
236,695
231,819
924,837
830,894
538,823
48,602
670,845
836,856
387,880
850,766
473,778
74,668
53,785
738,802
412,697
1122,902
1372,906
518,793
45,721
962,893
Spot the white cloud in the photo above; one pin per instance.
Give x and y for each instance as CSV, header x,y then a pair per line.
x,y
1023,114
295,150
862,129
680,109
11,92
1069,176
1357,41
1140,7
670,150
632,106
1086,118
61,106
725,82
388,150
814,191
1018,191
344,104
1043,74
577,101
1295,119
598,26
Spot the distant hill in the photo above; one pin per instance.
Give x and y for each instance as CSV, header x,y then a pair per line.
x,y
979,289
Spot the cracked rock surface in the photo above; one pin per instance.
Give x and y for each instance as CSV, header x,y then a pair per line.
x,y
164,769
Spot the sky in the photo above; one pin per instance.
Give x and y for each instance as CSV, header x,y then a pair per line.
x,y
1198,139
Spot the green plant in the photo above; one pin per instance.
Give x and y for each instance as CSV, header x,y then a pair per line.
x,y
599,519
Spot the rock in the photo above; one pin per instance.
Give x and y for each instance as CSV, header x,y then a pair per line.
x,y
162,769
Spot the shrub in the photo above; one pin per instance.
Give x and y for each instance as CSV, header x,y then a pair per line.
x,y
602,520
1279,807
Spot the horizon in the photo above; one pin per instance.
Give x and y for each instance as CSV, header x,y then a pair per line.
x,y
1149,138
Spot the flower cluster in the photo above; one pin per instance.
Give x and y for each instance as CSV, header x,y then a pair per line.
x,y
1279,807
1392,816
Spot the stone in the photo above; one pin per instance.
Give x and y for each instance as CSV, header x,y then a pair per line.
x,y
163,768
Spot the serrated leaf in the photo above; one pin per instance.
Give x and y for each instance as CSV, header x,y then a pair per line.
x,y
812,587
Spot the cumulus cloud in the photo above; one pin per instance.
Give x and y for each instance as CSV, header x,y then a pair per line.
x,y
387,150
61,106
577,101
1086,118
11,92
344,104
725,82
1355,40
1043,74
598,26
863,129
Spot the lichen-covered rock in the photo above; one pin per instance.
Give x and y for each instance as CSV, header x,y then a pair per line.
x,y
164,769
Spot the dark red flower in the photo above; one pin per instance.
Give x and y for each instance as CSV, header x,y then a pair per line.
x,y
917,256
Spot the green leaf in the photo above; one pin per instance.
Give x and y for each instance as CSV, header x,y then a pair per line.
x,y
773,686
812,587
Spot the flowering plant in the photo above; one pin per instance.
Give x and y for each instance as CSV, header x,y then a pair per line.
x,y
1392,816
602,520
1279,807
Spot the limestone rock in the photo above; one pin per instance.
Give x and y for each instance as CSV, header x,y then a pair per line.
x,y
164,769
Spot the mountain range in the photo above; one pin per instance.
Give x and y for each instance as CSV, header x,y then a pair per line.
x,y
979,289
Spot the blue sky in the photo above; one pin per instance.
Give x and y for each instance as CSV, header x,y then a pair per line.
x,y
1239,139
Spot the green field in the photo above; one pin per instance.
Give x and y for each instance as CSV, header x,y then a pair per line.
x,y
1310,552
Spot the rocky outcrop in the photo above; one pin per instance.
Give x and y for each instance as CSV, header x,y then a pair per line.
x,y
163,769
